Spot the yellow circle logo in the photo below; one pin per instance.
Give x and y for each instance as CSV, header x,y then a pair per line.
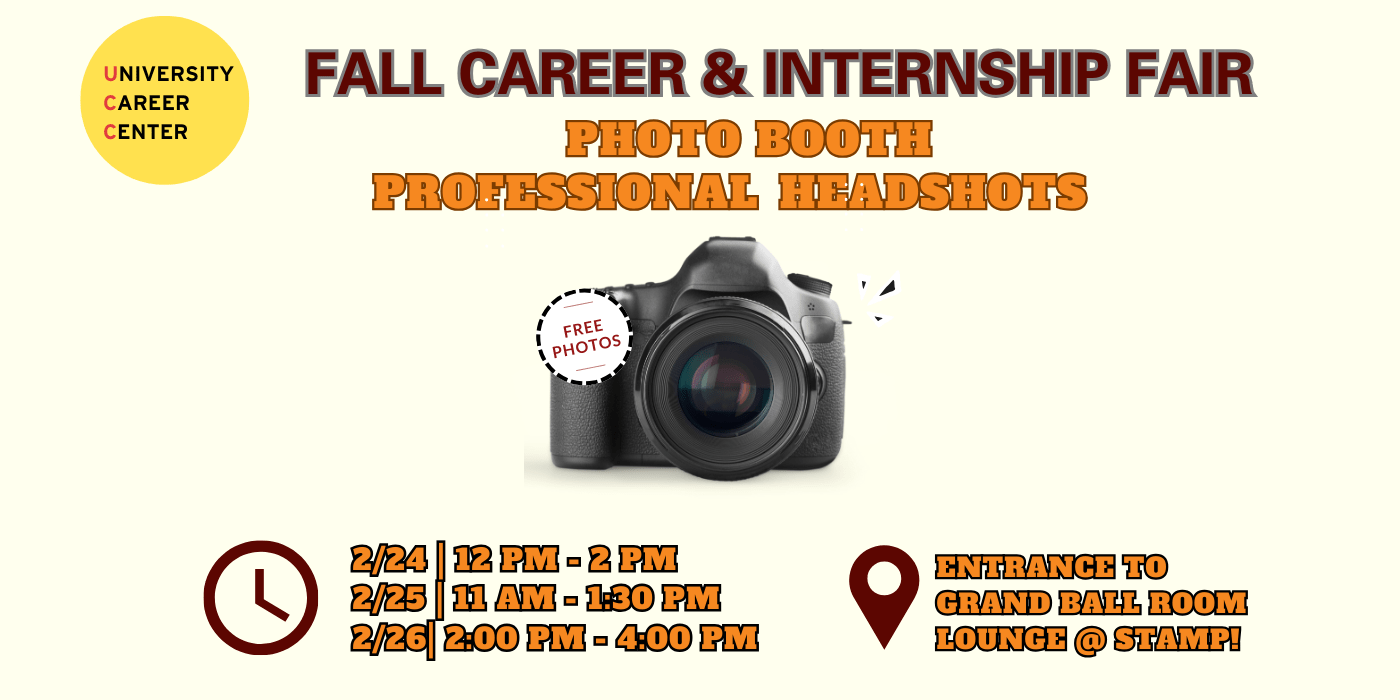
x,y
164,100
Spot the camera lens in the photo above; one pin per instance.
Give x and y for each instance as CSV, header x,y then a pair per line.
x,y
725,389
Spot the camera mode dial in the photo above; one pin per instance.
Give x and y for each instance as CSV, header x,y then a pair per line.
x,y
811,284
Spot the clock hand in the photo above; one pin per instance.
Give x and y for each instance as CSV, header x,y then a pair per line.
x,y
260,601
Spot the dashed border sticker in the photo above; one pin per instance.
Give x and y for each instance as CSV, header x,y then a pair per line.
x,y
556,303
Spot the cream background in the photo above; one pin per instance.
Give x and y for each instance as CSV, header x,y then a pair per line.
x,y
1200,363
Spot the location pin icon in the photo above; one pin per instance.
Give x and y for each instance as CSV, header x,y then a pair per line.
x,y
884,612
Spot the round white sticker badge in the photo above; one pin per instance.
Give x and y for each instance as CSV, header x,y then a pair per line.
x,y
584,336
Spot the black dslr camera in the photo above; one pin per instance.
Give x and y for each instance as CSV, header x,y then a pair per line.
x,y
735,370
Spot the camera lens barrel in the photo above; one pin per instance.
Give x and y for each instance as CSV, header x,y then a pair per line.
x,y
727,389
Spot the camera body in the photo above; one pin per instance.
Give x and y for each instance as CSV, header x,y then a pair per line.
x,y
735,369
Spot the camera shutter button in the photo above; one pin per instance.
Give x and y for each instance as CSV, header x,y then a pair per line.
x,y
811,284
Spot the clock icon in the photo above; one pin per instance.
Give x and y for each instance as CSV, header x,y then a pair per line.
x,y
211,610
